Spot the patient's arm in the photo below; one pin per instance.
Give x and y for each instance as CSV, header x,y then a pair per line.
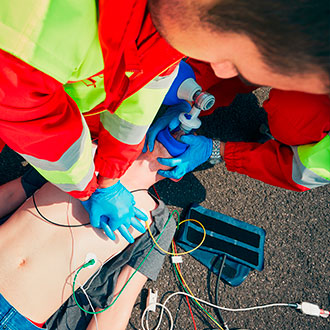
x,y
12,195
119,314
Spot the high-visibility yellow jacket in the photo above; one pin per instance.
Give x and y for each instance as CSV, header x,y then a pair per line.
x,y
62,59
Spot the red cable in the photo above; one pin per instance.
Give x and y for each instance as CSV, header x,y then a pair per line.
x,y
153,186
191,313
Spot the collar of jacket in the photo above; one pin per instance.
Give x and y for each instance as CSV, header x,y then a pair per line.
x,y
130,43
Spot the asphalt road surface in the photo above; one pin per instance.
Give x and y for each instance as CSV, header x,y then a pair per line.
x,y
297,236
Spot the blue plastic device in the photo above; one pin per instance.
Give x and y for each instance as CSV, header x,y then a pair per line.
x,y
173,146
242,243
185,72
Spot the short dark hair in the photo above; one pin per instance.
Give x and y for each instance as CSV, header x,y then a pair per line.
x,y
292,35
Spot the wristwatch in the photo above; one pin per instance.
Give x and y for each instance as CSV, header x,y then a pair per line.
x,y
215,157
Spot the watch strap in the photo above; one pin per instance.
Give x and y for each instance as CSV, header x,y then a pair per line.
x,y
215,157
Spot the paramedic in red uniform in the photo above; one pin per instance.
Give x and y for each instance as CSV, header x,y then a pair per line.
x,y
296,158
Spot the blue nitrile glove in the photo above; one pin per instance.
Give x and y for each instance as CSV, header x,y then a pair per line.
x,y
113,208
198,152
170,118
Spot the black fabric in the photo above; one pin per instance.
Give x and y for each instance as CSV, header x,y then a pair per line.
x,y
100,292
32,180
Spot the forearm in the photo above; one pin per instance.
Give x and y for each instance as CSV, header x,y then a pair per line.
x,y
12,195
119,314
270,162
42,123
114,157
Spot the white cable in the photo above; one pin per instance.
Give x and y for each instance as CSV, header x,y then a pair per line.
x,y
207,303
87,297
225,308
147,311
96,273
90,304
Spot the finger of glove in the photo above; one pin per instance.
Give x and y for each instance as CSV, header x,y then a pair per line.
x,y
171,162
95,217
139,214
189,139
107,230
174,123
138,225
152,137
126,234
145,146
169,174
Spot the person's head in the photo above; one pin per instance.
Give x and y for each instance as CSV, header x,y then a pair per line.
x,y
283,44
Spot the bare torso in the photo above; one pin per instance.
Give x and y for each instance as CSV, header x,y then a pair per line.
x,y
38,259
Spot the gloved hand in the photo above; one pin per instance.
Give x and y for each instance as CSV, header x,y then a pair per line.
x,y
113,208
170,118
198,152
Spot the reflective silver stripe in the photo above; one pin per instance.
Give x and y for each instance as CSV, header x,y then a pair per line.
x,y
163,81
123,130
81,185
130,122
304,176
68,159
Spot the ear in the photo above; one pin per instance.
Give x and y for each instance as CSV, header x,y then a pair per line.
x,y
224,69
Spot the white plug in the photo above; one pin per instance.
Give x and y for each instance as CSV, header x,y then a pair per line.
x,y
176,259
152,300
312,309
91,256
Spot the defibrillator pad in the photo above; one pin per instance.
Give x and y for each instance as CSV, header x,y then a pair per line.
x,y
242,243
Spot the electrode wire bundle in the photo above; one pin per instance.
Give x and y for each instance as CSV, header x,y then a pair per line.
x,y
120,292
185,286
187,289
155,241
179,223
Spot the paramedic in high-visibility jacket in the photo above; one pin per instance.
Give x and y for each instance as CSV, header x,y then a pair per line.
x,y
295,156
63,61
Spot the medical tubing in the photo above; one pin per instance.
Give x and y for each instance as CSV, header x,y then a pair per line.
x,y
94,276
179,274
163,307
183,283
68,226
188,290
182,253
90,304
217,311
120,292
55,223
187,299
231,309
191,313
215,306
